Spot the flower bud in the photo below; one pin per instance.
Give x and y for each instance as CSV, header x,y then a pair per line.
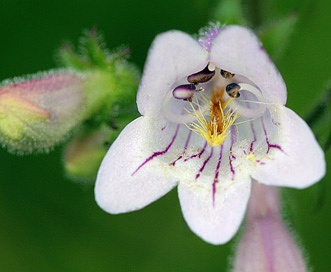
x,y
85,152
266,244
36,114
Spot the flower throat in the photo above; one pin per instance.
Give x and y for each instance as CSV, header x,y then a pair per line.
x,y
216,111
214,126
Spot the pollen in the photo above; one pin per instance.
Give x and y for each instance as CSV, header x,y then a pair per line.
x,y
251,157
213,122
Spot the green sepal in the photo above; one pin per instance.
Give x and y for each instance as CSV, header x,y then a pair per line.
x,y
109,92
111,81
67,57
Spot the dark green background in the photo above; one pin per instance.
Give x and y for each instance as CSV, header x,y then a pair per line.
x,y
49,223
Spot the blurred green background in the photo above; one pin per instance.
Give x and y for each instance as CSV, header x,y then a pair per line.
x,y
49,223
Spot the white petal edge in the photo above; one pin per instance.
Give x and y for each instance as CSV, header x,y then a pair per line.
x,y
218,223
302,163
116,189
237,49
173,55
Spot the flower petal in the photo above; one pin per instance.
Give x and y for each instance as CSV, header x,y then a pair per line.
x,y
215,220
237,50
118,188
172,56
301,161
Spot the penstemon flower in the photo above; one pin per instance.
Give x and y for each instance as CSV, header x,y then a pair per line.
x,y
266,244
213,118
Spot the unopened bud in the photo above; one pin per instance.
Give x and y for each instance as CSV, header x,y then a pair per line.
x,y
85,152
266,244
36,114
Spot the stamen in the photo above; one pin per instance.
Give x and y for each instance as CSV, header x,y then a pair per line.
x,y
226,74
185,92
174,110
216,129
247,111
211,67
232,90
202,76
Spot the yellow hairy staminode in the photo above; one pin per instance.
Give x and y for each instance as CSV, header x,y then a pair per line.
x,y
216,129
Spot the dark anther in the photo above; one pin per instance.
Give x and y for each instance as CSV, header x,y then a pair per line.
x,y
226,74
185,92
202,76
232,90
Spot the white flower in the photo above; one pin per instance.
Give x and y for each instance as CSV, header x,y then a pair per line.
x,y
213,118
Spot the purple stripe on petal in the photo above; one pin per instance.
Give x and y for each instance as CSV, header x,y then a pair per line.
x,y
198,154
185,147
267,139
218,164
205,163
231,156
251,147
158,153
187,140
176,160
217,173
254,139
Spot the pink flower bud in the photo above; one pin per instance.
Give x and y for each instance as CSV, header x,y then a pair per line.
x,y
38,113
266,244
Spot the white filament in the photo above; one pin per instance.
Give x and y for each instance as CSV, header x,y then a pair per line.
x,y
246,111
173,110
